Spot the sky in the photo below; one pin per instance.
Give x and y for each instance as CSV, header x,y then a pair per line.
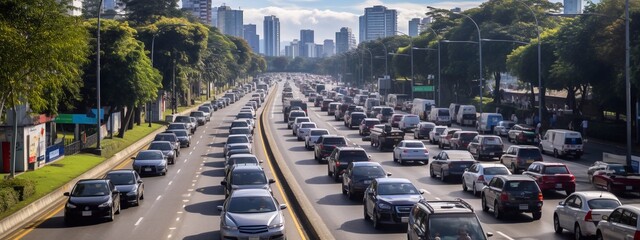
x,y
326,17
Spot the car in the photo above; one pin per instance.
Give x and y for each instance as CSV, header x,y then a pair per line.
x,y
366,124
486,146
166,148
562,143
395,119
616,178
324,107
389,201
292,117
444,219
237,148
507,194
179,126
239,138
150,162
236,159
347,115
169,137
461,139
581,212
208,109
244,115
434,135
200,116
517,158
410,151
245,177
296,123
333,107
186,120
423,129
129,184
408,122
183,137
242,130
522,134
91,198
340,158
479,174
445,137
552,176
252,214
325,144
450,164
358,175
249,109
194,123
622,223
385,114
502,128
355,119
240,123
311,138
304,129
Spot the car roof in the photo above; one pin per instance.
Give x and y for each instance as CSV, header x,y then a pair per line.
x,y
443,207
312,129
121,171
393,180
516,177
93,181
333,136
236,135
631,207
525,146
247,168
371,119
243,155
164,142
488,165
550,163
351,149
251,192
358,164
412,141
596,194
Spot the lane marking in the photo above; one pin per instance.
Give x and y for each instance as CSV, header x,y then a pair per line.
x,y
190,152
427,192
158,198
138,222
185,160
437,198
198,142
170,182
178,171
504,235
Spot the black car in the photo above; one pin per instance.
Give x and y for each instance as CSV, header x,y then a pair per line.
x,y
358,175
340,158
444,220
355,119
129,184
166,148
325,144
170,137
450,164
245,177
512,193
183,137
389,201
92,198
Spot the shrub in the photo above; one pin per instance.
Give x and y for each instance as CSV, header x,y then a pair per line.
x,y
8,198
24,188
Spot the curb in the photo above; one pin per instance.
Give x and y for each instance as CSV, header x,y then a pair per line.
x,y
30,212
310,219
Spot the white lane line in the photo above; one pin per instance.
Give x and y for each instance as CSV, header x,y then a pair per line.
x,y
437,198
190,152
427,192
504,235
169,236
170,182
200,137
158,198
138,222
198,142
179,170
179,212
193,184
178,219
185,160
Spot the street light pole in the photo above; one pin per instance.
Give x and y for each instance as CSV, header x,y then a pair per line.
x,y
98,125
540,95
627,79
480,56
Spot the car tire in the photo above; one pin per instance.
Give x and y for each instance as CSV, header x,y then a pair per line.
x,y
350,194
464,186
556,224
496,211
536,215
394,158
431,174
376,222
555,153
366,215
514,170
569,192
577,232
599,235
119,208
344,191
442,177
485,208
475,192
68,221
111,215
336,176
329,173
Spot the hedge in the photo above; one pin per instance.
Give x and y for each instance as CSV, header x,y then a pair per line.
x,y
24,188
8,198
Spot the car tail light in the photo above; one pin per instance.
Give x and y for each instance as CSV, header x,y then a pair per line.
x,y
321,146
521,136
481,178
519,160
337,163
573,178
504,196
588,217
540,197
637,235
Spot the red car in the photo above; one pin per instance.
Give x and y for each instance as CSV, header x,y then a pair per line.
x,y
552,176
615,178
395,119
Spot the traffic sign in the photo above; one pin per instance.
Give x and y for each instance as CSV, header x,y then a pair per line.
x,y
423,88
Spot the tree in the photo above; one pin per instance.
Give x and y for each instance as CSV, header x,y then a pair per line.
x,y
42,51
148,11
279,63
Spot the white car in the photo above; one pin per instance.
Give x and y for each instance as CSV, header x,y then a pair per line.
x,y
434,135
312,137
303,129
296,124
410,150
479,174
580,212
408,122
502,128
622,223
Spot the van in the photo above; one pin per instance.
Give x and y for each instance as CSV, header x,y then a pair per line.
x,y
395,100
453,111
370,103
440,116
488,121
561,143
466,115
231,96
422,107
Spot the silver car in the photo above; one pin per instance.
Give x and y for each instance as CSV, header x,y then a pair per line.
x,y
581,212
502,128
237,138
200,116
252,214
312,137
410,150
479,174
622,223
150,162
303,129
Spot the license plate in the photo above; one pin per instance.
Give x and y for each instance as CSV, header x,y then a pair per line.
x,y
86,213
558,185
463,166
404,219
147,169
491,154
523,206
367,181
254,238
530,161
629,187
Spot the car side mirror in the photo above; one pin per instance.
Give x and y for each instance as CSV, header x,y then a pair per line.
x,y
220,208
489,234
283,206
116,192
223,183
139,180
260,161
389,174
422,191
272,181
66,194
561,203
466,169
134,158
605,217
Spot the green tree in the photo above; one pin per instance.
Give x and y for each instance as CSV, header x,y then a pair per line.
x,y
279,64
148,11
42,51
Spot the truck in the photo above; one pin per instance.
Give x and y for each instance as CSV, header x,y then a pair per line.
x,y
294,103
422,107
385,137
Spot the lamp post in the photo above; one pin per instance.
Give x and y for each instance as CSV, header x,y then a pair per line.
x,y
386,59
99,132
370,62
540,95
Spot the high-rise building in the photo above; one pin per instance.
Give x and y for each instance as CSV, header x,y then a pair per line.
x,y
345,40
425,23
306,36
414,27
378,22
251,36
456,10
230,21
199,8
329,48
572,6
271,34
293,50
75,8
214,17
319,51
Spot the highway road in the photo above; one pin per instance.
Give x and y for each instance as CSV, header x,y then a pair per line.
x,y
344,218
180,205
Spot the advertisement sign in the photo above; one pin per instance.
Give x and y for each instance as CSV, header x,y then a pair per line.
x,y
89,118
55,152
36,148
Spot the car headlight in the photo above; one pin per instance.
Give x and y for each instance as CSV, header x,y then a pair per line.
x,y
229,225
105,204
70,205
384,206
276,226
133,192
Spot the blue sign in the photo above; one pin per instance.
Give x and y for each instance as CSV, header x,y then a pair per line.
x,y
89,118
54,152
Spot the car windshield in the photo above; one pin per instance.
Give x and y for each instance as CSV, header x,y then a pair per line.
x,y
529,186
414,145
617,169
149,155
397,189
183,119
181,133
239,124
90,190
241,160
257,204
244,115
160,146
204,109
334,141
387,111
573,140
293,115
353,156
455,226
249,178
176,126
496,171
121,178
492,141
440,130
240,131
237,139
467,136
508,125
603,203
318,132
443,112
370,123
368,172
529,153
165,137
237,146
556,170
301,120
308,125
197,114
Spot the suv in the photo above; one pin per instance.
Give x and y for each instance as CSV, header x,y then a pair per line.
x,y
340,158
366,125
186,120
358,175
461,139
292,117
512,193
389,201
423,130
518,158
485,146
552,176
325,144
444,220
355,119
385,114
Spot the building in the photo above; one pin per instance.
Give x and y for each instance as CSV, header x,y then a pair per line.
x,y
425,23
345,40
199,8
271,35
318,51
329,48
251,36
456,10
306,36
76,8
414,27
214,17
293,50
309,48
378,22
230,21
572,6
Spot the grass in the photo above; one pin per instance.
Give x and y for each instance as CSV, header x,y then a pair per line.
x,y
111,146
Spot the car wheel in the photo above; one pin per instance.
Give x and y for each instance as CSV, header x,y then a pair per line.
x,y
336,176
328,171
440,145
315,156
599,235
306,146
142,195
111,215
464,186
577,233
431,174
366,215
400,160
350,194
119,208
513,168
344,191
442,177
569,192
496,211
485,208
556,224
394,158
376,221
555,153
536,215
68,221
475,192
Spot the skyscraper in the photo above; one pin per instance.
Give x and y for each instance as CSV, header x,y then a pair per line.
x,y
425,23
293,50
378,22
414,27
345,40
199,8
572,6
251,36
230,21
271,35
306,36
329,48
